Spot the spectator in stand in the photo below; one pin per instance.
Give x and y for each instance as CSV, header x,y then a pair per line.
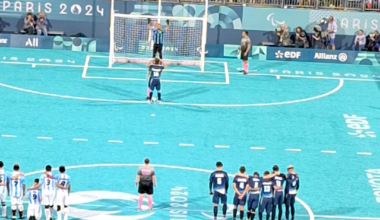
x,y
359,42
284,36
332,29
374,41
41,24
301,38
29,24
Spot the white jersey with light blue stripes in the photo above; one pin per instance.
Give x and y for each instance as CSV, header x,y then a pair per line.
x,y
3,179
48,184
64,180
34,196
15,186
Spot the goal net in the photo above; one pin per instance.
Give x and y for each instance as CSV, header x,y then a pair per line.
x,y
132,40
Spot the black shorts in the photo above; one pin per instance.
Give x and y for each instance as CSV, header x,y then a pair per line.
x,y
145,188
242,54
157,48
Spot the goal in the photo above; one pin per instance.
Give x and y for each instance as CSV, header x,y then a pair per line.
x,y
131,39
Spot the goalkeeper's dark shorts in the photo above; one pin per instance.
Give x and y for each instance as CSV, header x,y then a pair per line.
x,y
157,48
244,58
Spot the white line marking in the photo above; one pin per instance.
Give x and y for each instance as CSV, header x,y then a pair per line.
x,y
150,143
341,217
163,80
8,136
294,150
226,73
222,146
79,139
213,72
341,82
186,145
257,148
328,151
44,138
85,67
115,141
364,153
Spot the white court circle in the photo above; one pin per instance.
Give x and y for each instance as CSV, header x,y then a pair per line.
x,y
308,209
340,85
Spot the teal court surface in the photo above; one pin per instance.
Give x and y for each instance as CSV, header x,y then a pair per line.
x,y
68,108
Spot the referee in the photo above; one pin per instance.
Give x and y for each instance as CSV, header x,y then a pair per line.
x,y
145,180
158,37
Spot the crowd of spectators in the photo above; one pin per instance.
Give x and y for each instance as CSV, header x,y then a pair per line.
x,y
35,25
325,39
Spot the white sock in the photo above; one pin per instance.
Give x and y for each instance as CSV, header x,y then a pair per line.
x,y
4,209
59,214
51,211
66,211
47,214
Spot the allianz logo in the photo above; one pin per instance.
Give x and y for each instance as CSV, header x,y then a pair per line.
x,y
342,57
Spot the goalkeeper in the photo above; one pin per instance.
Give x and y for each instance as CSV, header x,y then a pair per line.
x,y
158,37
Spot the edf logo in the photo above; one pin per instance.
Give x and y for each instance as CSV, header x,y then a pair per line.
x,y
288,54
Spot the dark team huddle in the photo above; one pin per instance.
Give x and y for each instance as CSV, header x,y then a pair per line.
x,y
270,186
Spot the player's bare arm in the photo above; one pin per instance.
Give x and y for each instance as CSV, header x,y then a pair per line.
x,y
235,189
68,189
154,180
247,50
137,179
8,188
244,192
59,186
23,188
15,177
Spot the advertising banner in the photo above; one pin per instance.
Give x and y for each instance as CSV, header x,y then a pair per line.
x,y
31,41
74,44
5,40
323,56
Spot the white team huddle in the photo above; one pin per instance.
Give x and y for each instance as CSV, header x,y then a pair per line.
x,y
50,189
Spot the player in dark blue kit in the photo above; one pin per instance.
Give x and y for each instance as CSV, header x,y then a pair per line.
x,y
219,182
254,194
278,199
154,75
255,185
291,188
266,202
241,186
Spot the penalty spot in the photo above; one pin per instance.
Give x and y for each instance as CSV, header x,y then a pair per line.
x,y
152,115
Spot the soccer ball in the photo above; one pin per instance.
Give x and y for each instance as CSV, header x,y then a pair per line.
x,y
153,99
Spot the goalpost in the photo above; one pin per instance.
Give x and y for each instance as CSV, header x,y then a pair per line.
x,y
184,43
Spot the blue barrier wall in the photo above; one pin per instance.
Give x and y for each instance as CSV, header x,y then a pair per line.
x,y
91,17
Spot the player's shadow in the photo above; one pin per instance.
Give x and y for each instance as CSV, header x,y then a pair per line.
x,y
175,95
117,91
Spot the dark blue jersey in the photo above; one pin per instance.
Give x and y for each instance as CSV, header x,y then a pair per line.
x,y
155,71
219,182
254,183
267,188
279,181
292,184
241,183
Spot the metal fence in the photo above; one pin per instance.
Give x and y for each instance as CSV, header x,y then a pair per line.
x,y
358,5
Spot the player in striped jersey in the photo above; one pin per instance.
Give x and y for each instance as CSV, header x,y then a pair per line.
x,y
17,190
64,185
3,185
35,197
47,182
